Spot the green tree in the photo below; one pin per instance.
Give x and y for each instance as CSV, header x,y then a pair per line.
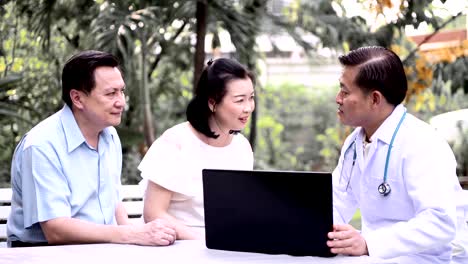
x,y
29,83
154,40
292,117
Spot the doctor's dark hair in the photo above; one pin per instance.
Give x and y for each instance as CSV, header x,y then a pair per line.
x,y
78,72
379,69
212,85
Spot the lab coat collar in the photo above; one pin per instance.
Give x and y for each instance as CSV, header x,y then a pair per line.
x,y
385,131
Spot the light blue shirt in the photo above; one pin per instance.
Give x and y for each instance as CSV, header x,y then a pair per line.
x,y
55,173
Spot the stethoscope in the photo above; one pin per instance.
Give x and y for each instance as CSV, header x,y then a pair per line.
x,y
384,188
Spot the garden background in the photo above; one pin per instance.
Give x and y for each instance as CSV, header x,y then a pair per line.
x,y
292,46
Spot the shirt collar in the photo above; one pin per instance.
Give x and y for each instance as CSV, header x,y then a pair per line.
x,y
105,136
72,131
387,128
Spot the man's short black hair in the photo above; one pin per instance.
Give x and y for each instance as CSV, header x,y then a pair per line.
x,y
379,69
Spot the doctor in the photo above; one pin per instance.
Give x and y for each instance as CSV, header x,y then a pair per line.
x,y
395,169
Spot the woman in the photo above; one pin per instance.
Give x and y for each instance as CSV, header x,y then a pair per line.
x,y
220,109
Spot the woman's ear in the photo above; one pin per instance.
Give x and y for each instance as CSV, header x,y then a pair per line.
x,y
212,105
76,98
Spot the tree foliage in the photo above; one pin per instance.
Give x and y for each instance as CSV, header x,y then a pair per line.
x,y
294,128
293,116
29,83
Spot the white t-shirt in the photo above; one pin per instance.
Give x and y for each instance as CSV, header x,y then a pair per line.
x,y
175,161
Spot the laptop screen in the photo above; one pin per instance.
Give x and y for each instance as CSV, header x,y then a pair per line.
x,y
275,212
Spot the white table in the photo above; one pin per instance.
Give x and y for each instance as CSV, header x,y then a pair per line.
x,y
180,252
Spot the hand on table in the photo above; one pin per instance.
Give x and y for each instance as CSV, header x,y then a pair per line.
x,y
158,232
345,239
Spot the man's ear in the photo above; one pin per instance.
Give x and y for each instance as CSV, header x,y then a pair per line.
x,y
212,105
377,98
76,98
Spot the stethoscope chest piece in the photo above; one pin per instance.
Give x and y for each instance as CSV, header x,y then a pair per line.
x,y
384,189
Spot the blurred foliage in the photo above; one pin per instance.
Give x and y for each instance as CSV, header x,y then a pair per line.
x,y
419,71
29,84
437,79
293,117
428,78
56,29
441,98
296,126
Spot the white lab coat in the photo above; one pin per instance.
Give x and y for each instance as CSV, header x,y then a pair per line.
x,y
419,219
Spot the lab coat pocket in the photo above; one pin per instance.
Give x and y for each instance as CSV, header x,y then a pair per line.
x,y
394,207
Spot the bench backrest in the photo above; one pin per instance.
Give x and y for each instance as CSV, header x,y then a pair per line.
x,y
132,200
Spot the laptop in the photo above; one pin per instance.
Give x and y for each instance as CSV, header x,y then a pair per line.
x,y
274,212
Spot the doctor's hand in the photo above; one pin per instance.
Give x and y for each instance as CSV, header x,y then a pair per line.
x,y
347,240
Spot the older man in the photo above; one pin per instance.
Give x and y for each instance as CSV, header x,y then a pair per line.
x,y
66,171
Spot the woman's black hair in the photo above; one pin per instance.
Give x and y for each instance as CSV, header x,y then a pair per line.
x,y
212,85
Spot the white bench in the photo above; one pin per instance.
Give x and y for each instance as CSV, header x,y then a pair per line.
x,y
133,202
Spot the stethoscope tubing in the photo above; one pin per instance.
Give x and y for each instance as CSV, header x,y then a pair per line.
x,y
391,146
384,188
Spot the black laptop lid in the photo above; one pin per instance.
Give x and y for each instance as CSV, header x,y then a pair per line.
x,y
276,212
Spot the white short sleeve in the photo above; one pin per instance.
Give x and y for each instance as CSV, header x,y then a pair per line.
x,y
166,164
